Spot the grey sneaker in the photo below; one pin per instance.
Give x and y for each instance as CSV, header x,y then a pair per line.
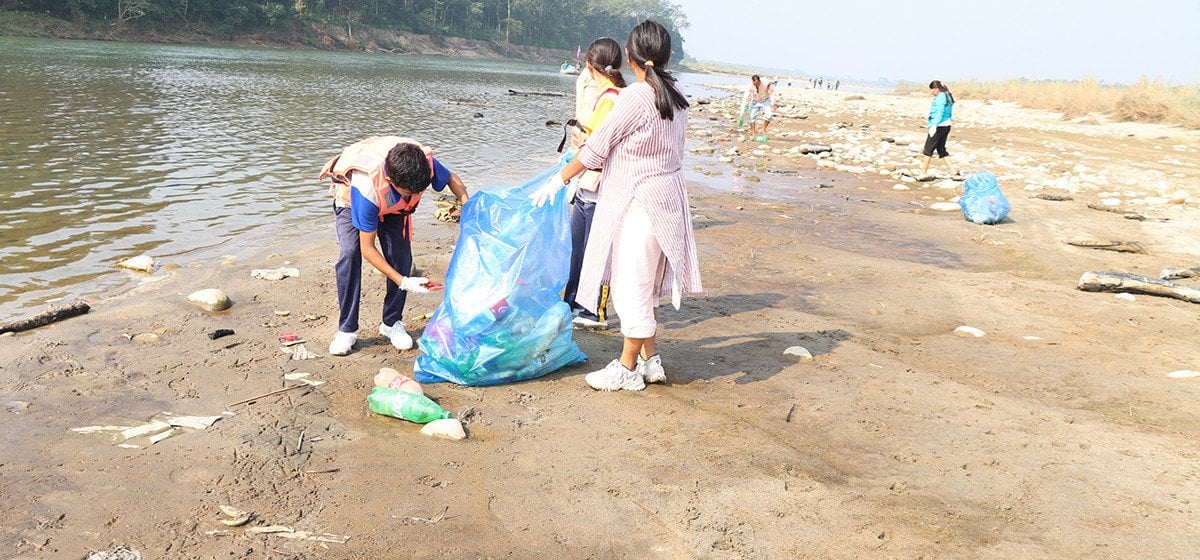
x,y
651,369
615,377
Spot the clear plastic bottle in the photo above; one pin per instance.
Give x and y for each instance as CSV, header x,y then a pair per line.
x,y
404,405
392,379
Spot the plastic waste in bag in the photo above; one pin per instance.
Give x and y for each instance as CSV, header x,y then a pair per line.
x,y
404,405
982,202
503,318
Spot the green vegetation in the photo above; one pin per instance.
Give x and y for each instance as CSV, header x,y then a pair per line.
x,y
541,23
1145,101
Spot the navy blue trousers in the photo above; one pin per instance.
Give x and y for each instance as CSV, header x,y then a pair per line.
x,y
581,226
397,250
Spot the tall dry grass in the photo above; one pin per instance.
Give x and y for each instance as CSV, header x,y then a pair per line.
x,y
1146,101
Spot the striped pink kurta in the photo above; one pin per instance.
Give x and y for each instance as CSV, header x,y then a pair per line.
x,y
642,157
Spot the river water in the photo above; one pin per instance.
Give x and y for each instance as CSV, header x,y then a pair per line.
x,y
110,150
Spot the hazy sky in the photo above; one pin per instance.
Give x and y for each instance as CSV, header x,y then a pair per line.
x,y
1116,41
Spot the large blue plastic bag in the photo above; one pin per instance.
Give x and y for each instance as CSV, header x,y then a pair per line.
x,y
982,202
503,318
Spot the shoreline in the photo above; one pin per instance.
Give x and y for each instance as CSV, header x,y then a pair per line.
x,y
898,438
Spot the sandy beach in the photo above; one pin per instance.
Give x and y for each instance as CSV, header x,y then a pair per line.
x,y
1056,434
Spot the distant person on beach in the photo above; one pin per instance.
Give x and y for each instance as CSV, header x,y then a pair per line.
x,y
940,112
837,84
602,65
641,241
760,102
376,185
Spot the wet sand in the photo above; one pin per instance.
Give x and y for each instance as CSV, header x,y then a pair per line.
x,y
1056,435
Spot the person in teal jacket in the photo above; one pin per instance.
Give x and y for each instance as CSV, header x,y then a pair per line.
x,y
940,112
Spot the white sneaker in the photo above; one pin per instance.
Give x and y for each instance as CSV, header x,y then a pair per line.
x,y
651,370
588,323
342,343
396,333
615,377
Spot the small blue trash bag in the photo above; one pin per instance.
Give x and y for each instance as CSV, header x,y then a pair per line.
x,y
503,318
982,202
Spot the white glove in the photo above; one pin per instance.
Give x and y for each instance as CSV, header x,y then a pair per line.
x,y
414,284
572,188
547,191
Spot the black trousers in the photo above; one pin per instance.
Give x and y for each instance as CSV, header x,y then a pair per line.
x,y
937,142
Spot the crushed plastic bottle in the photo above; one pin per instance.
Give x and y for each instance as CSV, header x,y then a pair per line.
x,y
404,405
392,379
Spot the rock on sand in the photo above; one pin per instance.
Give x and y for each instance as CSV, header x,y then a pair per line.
x,y
798,351
968,331
140,263
446,428
211,299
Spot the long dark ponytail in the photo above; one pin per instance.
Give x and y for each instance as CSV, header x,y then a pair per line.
x,y
649,46
938,85
604,54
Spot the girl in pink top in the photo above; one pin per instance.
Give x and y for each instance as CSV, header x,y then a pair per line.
x,y
641,243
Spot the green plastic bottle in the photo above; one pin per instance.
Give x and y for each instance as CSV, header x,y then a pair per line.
x,y
404,405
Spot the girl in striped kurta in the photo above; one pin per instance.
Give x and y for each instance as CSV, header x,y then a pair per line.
x,y
641,243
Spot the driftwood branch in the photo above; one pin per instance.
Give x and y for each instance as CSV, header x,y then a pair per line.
x,y
1175,272
265,395
1136,284
1118,246
1125,212
1054,197
541,93
52,315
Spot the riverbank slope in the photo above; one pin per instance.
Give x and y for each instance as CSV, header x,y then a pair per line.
x,y
310,35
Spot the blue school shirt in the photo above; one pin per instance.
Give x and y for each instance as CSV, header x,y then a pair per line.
x,y
364,213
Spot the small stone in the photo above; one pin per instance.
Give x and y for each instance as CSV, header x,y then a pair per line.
x,y
1111,202
211,299
968,331
140,263
146,338
446,428
740,207
1183,374
1126,296
282,313
15,407
274,273
753,179
945,207
798,351
899,187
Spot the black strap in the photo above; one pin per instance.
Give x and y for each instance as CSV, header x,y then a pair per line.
x,y
566,131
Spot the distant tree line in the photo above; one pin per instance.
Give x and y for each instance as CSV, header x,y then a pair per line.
x,y
543,23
